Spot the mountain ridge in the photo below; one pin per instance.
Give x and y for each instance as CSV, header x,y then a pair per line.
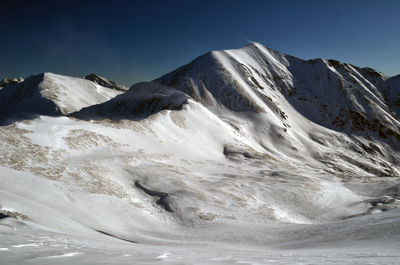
x,y
258,79
104,82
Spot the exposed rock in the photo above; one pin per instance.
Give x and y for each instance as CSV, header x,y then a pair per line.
x,y
383,203
108,234
105,82
15,215
162,195
10,81
3,215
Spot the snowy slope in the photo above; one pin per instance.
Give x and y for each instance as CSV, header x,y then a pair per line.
x,y
256,153
50,94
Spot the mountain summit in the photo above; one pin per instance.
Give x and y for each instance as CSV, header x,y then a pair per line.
x,y
105,82
9,81
330,93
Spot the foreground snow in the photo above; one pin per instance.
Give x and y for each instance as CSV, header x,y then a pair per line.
x,y
371,239
74,181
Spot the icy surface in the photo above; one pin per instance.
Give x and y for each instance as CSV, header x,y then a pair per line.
x,y
246,149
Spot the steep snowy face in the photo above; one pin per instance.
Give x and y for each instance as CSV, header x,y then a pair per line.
x,y
343,97
213,80
50,94
335,95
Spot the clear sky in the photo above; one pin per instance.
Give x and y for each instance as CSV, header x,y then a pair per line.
x,y
132,41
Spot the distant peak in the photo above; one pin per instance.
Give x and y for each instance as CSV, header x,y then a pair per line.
x,y
372,72
254,44
333,62
104,82
10,81
93,76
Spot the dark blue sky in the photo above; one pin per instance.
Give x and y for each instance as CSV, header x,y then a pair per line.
x,y
131,41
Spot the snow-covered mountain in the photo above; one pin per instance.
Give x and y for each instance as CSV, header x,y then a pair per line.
x,y
240,151
330,93
50,94
283,105
335,95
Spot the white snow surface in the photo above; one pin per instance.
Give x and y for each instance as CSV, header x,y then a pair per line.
x,y
50,94
72,94
245,145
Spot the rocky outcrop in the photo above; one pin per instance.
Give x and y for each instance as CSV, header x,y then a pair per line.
x,y
10,81
163,201
105,82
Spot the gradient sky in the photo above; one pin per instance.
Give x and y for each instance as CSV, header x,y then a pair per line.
x,y
132,41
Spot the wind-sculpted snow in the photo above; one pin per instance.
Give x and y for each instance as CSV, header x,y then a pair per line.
x,y
241,156
139,102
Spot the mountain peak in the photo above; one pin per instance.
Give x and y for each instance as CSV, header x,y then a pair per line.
x,y
254,44
10,81
105,82
255,78
50,94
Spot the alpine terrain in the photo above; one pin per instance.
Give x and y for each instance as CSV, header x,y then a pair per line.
x,y
241,156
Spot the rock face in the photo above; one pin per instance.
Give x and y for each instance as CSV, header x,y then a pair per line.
x,y
105,82
10,81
